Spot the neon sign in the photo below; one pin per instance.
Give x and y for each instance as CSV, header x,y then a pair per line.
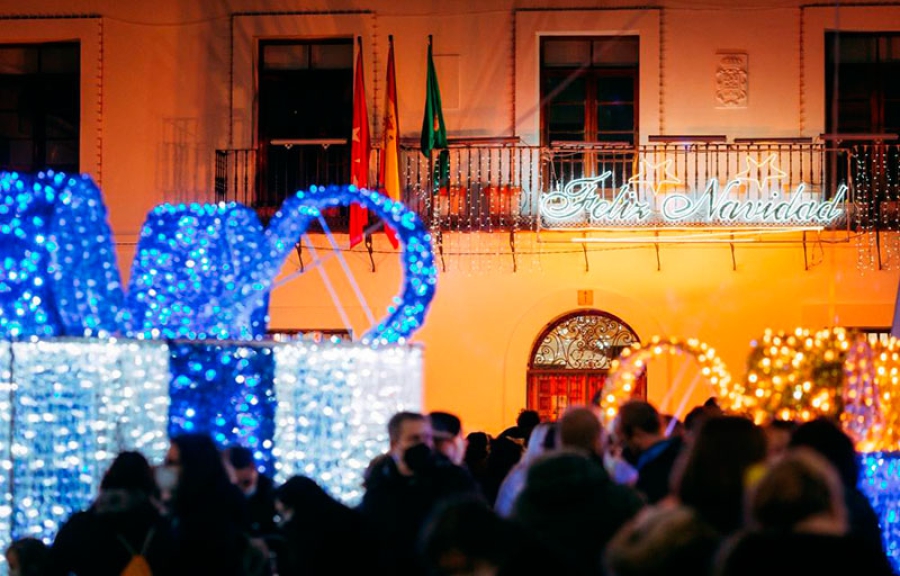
x,y
648,200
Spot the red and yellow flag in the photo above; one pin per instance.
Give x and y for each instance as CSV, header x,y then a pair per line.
x,y
360,148
390,159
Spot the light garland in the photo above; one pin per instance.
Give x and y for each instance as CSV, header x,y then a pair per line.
x,y
794,375
407,313
874,378
201,271
880,482
862,416
206,271
631,363
334,402
74,405
226,390
58,271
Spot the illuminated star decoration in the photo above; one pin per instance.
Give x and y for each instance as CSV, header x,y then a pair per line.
x,y
657,177
757,174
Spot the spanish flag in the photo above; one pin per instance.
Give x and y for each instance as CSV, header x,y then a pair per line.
x,y
390,158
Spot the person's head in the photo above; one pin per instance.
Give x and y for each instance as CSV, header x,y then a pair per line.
x,y
447,432
527,420
406,430
303,493
711,474
243,467
463,535
579,428
662,540
202,477
131,472
638,426
478,447
778,436
800,492
828,439
28,557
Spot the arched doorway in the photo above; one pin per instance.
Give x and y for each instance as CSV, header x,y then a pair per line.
x,y
571,358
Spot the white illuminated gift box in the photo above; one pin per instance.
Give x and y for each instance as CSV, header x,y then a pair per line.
x,y
68,406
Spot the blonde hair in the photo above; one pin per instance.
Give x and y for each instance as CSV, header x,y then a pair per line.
x,y
800,492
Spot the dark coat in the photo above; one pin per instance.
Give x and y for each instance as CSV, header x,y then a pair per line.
x,y
101,540
655,468
397,506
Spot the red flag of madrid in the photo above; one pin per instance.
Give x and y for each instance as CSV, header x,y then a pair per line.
x,y
360,147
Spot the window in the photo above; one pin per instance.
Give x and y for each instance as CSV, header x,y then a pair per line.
x,y
571,359
40,106
589,95
867,68
862,84
305,116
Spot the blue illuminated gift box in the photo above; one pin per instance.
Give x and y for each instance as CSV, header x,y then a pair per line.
x,y
87,371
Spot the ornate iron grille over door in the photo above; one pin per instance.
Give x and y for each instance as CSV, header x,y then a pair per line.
x,y
571,359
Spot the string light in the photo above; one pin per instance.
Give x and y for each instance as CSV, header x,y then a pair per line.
x,y
620,383
58,271
334,402
73,406
794,375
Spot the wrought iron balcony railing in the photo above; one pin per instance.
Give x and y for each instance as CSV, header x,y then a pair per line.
x,y
499,184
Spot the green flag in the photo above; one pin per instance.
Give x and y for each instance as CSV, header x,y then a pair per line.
x,y
434,133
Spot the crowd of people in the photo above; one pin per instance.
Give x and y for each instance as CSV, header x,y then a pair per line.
x,y
713,494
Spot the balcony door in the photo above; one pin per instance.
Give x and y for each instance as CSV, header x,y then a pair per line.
x,y
571,358
305,116
40,106
589,105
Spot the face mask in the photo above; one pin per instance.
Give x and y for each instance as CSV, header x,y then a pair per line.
x,y
249,491
418,457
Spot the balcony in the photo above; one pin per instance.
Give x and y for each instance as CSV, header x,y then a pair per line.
x,y
499,184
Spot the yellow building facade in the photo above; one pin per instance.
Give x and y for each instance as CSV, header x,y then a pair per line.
x,y
164,86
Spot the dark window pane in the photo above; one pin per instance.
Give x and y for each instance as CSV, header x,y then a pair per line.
x,y
857,49
562,89
615,89
332,56
855,81
13,125
18,60
616,51
62,127
892,82
566,53
892,116
40,95
62,59
615,117
627,137
62,153
892,51
562,136
567,117
854,116
9,95
21,155
285,56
